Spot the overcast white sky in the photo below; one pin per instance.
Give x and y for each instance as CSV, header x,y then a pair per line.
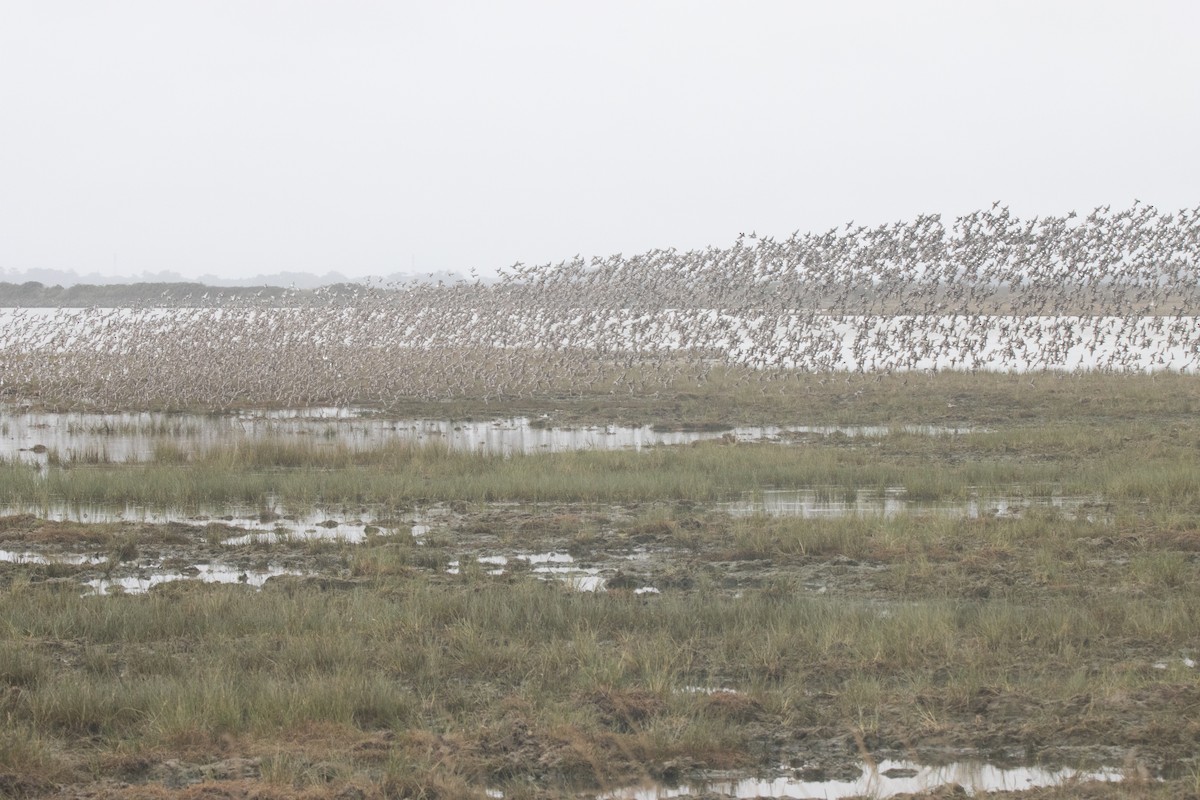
x,y
245,137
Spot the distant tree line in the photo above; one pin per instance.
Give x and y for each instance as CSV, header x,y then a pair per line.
x,y
33,294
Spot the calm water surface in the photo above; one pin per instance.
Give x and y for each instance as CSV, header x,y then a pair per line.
x,y
132,437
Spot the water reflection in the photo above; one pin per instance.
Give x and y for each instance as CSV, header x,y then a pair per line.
x,y
37,438
547,566
260,526
71,559
206,573
884,779
831,502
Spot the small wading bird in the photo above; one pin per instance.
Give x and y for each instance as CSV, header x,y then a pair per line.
x,y
1113,291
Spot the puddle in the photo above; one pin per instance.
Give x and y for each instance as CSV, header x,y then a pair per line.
x,y
548,558
885,779
36,438
13,557
207,573
317,526
260,526
547,566
832,502
455,568
561,566
583,580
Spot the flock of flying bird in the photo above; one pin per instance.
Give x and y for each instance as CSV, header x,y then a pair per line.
x,y
1115,291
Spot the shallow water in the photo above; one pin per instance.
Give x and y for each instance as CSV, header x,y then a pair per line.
x,y
562,567
121,438
547,566
831,502
581,579
353,526
74,559
885,779
259,526
207,573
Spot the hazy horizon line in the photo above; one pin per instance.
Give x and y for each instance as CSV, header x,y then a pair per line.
x,y
282,279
